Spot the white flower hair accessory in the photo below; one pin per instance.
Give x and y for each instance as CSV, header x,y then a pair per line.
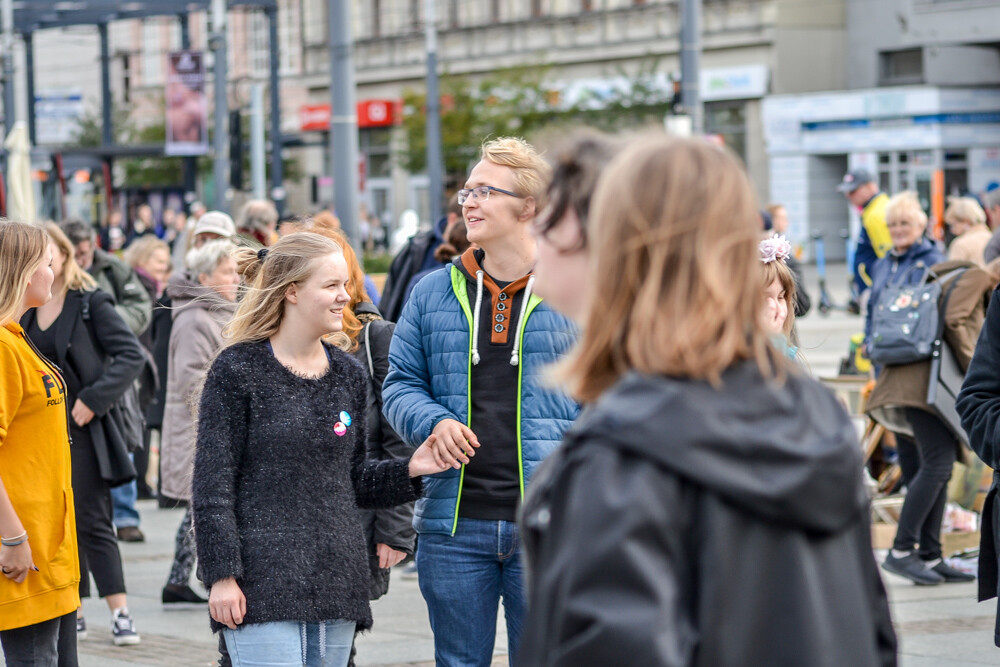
x,y
775,248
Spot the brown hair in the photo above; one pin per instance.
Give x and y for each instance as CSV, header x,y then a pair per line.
x,y
22,250
140,250
780,271
74,277
287,262
576,164
455,243
676,252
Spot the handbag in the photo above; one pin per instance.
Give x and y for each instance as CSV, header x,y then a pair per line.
x,y
905,320
946,375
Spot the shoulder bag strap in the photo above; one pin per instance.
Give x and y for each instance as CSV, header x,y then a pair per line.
x,y
368,351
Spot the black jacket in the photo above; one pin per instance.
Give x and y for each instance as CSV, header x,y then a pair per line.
x,y
98,369
979,406
392,526
407,263
683,525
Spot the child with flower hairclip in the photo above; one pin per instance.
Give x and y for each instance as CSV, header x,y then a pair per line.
x,y
778,314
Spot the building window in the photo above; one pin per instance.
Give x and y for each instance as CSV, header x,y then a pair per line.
x,y
536,8
260,52
152,57
901,67
373,143
728,120
289,38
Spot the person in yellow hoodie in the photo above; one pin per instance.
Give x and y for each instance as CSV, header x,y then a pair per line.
x,y
38,552
861,189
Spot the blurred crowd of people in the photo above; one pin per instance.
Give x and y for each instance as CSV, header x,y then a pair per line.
x,y
579,394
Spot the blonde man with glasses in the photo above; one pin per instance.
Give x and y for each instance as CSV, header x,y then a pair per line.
x,y
466,364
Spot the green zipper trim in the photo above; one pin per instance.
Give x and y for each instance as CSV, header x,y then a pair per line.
x,y
461,289
532,304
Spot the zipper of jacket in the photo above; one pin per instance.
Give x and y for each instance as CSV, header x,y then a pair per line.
x,y
522,325
463,300
62,378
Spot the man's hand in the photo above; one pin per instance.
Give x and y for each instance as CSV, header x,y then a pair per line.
x,y
387,556
455,443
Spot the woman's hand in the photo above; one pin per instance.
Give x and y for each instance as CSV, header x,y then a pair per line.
x,y
455,443
81,413
16,562
387,556
226,603
425,461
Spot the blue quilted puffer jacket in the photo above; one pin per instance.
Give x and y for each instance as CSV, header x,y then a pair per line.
x,y
429,367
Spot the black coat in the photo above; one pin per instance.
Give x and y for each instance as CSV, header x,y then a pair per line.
x,y
99,362
979,406
392,526
684,525
406,264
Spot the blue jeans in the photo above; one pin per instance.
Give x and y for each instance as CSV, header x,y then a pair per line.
x,y
123,500
462,579
280,644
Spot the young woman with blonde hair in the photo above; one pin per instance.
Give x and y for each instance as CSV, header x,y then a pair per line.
x,y
280,467
80,330
38,554
707,507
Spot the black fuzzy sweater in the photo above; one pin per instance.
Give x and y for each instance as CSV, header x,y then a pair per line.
x,y
276,490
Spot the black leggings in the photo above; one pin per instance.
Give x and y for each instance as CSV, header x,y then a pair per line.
x,y
926,494
94,528
50,643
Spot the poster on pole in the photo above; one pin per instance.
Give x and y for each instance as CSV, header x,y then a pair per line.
x,y
187,108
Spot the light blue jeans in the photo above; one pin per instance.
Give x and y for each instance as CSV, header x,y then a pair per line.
x,y
290,644
123,503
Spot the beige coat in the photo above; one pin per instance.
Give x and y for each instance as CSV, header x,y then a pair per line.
x,y
906,385
969,246
199,315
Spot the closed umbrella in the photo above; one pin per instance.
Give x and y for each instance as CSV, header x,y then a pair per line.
x,y
20,193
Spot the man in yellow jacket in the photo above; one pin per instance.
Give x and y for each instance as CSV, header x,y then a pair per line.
x,y
861,189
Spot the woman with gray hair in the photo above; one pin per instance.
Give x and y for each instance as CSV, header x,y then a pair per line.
x,y
257,223
204,300
967,221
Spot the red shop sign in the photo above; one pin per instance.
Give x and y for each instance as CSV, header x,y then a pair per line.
x,y
371,113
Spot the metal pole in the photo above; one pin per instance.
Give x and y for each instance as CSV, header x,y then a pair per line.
x,y
190,162
277,166
107,135
29,65
435,159
221,161
690,56
9,112
343,121
257,178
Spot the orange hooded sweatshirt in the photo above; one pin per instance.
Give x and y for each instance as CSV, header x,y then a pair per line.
x,y
35,468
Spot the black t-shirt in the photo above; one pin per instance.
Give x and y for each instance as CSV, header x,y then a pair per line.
x,y
491,489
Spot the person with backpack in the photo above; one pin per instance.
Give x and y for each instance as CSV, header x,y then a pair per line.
x,y
82,333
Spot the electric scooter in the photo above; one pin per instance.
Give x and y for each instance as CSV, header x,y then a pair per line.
x,y
826,302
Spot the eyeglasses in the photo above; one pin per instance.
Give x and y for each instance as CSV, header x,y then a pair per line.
x,y
482,193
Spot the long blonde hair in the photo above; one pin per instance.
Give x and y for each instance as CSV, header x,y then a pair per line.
x,y
678,276
22,251
74,278
287,262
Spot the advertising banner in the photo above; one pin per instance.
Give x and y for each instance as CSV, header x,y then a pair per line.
x,y
187,108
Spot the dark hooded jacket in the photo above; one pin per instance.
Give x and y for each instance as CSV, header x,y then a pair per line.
x,y
392,526
684,525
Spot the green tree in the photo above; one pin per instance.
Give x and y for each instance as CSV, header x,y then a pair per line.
x,y
518,101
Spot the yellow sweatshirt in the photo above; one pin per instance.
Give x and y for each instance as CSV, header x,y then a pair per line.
x,y
35,467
